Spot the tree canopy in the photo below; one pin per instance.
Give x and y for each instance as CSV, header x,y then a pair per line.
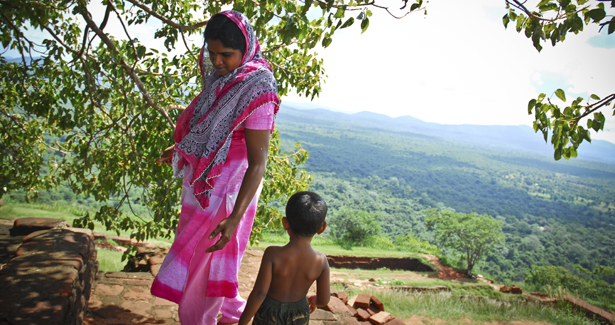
x,y
105,102
352,226
474,236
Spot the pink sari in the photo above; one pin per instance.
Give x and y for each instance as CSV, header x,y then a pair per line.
x,y
211,156
196,224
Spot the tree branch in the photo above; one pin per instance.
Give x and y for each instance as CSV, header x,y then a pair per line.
x,y
592,108
165,19
148,98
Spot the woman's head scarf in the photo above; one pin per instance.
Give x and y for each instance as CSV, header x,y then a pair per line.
x,y
204,130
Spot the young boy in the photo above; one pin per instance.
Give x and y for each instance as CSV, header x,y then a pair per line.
x,y
287,272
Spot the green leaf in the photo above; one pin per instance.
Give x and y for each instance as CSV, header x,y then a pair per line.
x,y
594,96
505,20
531,105
542,3
327,41
596,14
339,13
560,94
348,23
557,155
364,25
541,97
414,6
612,25
306,6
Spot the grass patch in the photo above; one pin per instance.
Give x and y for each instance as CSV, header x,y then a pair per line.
x,y
18,211
330,247
453,308
110,261
68,212
386,278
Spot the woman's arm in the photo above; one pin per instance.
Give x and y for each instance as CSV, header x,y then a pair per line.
x,y
257,144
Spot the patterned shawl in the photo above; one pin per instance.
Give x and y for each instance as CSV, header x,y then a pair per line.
x,y
204,130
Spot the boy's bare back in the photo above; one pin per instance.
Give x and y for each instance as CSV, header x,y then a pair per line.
x,y
294,268
287,272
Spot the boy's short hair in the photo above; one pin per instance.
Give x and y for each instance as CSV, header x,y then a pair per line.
x,y
306,212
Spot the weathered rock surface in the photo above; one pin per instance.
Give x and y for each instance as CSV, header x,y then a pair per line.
x,y
49,277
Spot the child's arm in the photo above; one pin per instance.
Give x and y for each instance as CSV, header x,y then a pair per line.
x,y
322,285
261,287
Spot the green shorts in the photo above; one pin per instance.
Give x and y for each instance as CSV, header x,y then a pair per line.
x,y
280,313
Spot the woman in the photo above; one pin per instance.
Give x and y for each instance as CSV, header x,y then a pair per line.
x,y
222,140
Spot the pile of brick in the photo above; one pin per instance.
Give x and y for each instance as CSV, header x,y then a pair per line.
x,y
148,259
513,289
362,309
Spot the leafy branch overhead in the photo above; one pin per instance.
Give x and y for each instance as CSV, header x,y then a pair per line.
x,y
100,103
552,21
567,133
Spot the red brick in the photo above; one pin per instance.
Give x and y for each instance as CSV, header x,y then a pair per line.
x,y
134,293
352,310
25,226
108,290
349,320
378,303
515,289
373,309
343,296
363,300
139,283
351,301
336,306
163,313
381,318
142,308
362,314
155,269
156,259
322,315
333,291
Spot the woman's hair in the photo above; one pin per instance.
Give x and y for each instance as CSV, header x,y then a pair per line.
x,y
306,212
223,29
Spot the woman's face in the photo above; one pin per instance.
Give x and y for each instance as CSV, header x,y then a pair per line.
x,y
224,59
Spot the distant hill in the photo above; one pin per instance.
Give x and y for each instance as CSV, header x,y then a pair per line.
x,y
519,138
555,212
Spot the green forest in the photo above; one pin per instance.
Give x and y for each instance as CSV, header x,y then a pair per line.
x,y
555,213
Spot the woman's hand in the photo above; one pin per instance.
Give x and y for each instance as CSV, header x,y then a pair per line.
x,y
167,156
226,228
257,145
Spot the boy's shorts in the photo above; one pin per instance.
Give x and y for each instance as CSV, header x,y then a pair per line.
x,y
279,313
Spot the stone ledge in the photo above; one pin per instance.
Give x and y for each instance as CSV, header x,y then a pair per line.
x,y
49,278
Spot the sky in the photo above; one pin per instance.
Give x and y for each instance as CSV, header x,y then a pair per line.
x,y
455,65
459,65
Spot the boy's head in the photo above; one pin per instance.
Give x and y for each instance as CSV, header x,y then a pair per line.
x,y
306,212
